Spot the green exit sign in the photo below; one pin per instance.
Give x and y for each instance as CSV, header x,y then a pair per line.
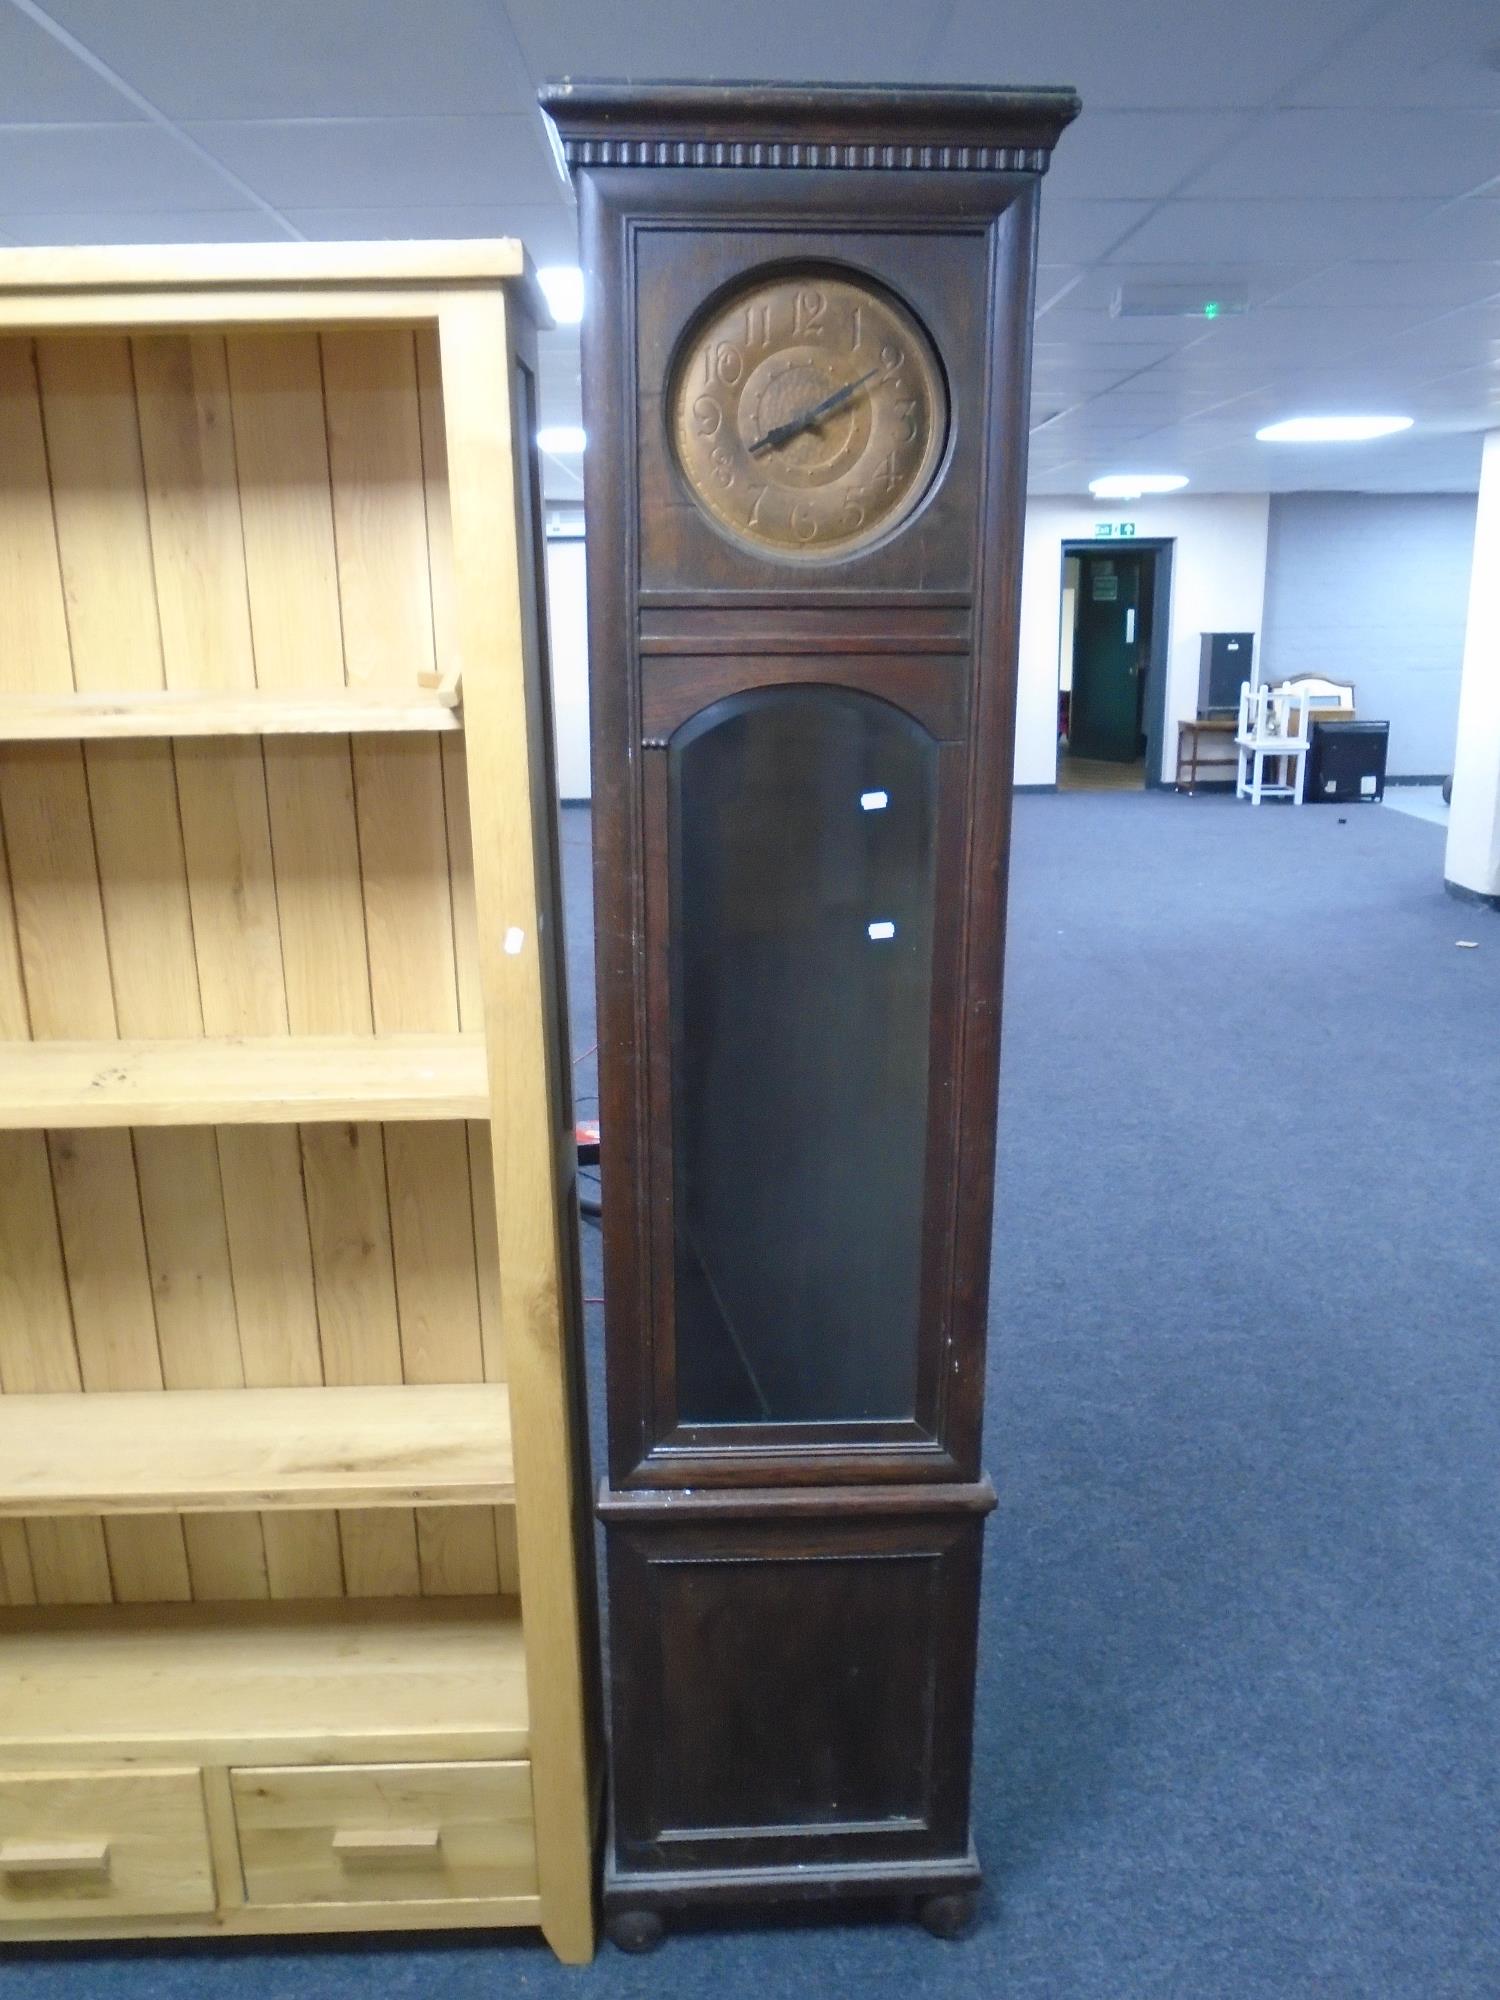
x,y
1107,531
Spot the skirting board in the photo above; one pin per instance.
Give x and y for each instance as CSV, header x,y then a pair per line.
x,y
1462,895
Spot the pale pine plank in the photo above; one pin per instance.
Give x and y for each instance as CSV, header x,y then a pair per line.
x,y
503,711
344,1171
221,1450
292,567
17,1584
198,553
38,1356
240,1079
271,1257
104,547
107,716
384,571
198,543
487,1251
65,965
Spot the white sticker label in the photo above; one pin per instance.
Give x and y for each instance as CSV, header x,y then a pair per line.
x,y
515,937
882,930
874,802
1367,786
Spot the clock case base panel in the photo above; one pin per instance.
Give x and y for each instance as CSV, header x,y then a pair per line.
x,y
792,1693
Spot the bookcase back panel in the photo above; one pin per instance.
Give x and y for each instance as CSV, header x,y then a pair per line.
x,y
213,514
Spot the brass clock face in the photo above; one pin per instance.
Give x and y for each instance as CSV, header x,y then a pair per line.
x,y
808,414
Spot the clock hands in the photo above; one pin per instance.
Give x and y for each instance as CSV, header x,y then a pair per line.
x,y
783,433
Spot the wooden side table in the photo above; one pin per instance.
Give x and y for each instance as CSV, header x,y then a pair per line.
x,y
1191,762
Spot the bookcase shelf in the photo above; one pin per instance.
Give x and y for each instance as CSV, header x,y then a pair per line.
x,y
241,1080
226,1450
337,711
268,1683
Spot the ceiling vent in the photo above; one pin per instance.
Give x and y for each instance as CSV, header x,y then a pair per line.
x,y
1205,301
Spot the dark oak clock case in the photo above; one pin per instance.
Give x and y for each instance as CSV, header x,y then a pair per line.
x,y
801,817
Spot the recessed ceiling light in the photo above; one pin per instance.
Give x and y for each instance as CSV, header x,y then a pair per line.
x,y
1332,430
1131,485
561,440
563,286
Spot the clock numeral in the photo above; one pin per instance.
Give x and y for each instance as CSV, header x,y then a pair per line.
x,y
723,467
755,506
758,325
886,473
804,522
852,515
723,362
708,416
856,328
891,356
906,410
808,309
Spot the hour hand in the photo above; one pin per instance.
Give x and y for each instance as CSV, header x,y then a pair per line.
x,y
783,433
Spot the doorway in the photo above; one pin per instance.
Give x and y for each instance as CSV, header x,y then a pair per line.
x,y
1112,665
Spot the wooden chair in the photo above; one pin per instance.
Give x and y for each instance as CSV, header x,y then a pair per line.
x,y
1273,725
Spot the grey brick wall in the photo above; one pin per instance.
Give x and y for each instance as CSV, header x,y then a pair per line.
x,y
1373,588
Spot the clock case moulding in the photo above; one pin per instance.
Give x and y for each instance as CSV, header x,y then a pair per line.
x,y
794,1604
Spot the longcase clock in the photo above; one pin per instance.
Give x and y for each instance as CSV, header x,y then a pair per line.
x,y
805,387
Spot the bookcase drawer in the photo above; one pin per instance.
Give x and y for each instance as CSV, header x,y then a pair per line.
x,y
103,1844
368,1833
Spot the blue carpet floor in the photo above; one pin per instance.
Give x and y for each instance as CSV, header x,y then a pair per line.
x,y
1238,1722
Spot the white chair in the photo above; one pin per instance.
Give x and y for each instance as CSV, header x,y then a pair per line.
x,y
1273,728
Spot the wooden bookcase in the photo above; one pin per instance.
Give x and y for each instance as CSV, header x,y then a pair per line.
x,y
295,1577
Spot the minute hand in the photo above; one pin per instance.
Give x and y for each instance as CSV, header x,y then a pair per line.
x,y
781,433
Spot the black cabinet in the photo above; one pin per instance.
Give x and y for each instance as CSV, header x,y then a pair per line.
x,y
1346,762
1224,663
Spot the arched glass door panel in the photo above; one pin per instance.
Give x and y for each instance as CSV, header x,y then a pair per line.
x,y
803,836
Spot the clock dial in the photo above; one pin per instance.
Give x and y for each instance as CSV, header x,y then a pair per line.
x,y
808,414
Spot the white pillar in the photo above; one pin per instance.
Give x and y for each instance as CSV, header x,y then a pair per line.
x,y
1472,866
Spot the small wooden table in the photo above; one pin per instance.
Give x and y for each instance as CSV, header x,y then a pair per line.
x,y
1190,761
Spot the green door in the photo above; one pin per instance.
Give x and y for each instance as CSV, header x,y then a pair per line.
x,y
1108,660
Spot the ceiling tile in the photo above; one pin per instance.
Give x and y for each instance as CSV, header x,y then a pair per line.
x,y
102,169
1081,232
388,162
42,83
197,225
1432,285
1286,231
1463,229
1139,154
306,58
858,41
549,232
1415,54
1180,54
1347,153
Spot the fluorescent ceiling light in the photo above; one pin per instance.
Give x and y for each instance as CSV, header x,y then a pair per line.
x,y
561,440
1131,485
563,285
1332,430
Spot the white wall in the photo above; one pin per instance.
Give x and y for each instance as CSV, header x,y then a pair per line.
x,y
1372,588
567,622
1218,584
1472,861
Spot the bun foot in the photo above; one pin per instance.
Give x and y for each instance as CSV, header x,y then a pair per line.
x,y
948,1916
636,1930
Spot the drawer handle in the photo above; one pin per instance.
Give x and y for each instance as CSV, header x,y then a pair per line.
x,y
54,1857
390,1843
